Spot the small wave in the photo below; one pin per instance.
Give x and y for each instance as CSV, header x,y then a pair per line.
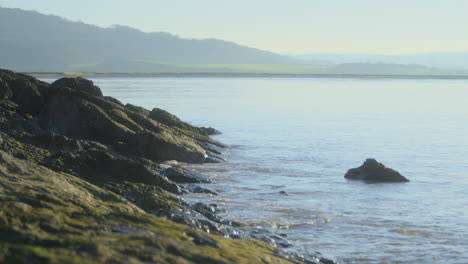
x,y
411,232
297,211
367,224
249,189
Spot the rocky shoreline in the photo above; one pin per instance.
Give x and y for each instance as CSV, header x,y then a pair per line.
x,y
86,179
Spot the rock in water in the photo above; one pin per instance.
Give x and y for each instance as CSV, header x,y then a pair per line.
x,y
374,171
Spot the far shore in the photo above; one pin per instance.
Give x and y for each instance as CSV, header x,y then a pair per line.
x,y
242,75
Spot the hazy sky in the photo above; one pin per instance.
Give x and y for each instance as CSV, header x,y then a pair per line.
x,y
293,26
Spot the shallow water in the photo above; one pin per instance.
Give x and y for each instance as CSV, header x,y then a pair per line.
x,y
301,136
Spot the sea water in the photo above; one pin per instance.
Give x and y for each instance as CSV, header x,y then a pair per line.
x,y
293,139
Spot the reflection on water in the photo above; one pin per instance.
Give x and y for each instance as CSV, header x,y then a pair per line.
x,y
299,136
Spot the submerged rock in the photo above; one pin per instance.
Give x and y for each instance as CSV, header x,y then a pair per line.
x,y
373,171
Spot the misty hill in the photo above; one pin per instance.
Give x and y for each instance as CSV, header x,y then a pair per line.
x,y
443,60
30,41
34,42
381,69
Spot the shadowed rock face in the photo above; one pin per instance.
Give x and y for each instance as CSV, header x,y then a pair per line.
x,y
79,84
5,92
26,91
373,171
69,126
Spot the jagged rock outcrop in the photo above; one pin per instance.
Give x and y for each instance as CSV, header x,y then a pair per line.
x,y
26,91
79,84
169,119
70,127
373,171
182,175
79,114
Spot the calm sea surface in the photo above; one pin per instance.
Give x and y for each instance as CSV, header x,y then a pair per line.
x,y
302,135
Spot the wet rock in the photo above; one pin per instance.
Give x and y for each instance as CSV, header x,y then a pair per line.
x,y
194,188
232,223
373,171
79,84
47,217
210,131
158,202
311,258
209,211
269,237
214,159
218,150
183,175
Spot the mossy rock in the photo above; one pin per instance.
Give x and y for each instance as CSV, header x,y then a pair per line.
x,y
47,217
100,166
138,109
171,120
150,198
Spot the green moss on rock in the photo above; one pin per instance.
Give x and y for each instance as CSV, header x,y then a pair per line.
x,y
47,217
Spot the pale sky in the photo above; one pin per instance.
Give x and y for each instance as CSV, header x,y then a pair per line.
x,y
292,26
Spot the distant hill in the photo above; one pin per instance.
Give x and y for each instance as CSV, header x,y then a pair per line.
x,y
381,69
34,42
30,41
442,60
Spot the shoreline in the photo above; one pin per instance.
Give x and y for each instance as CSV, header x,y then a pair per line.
x,y
241,75
87,179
